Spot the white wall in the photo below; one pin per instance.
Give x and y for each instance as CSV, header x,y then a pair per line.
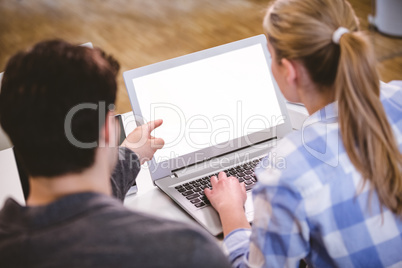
x,y
4,141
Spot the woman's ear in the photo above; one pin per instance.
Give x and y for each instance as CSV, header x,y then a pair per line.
x,y
290,72
290,75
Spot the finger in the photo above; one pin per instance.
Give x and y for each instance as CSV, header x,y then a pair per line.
x,y
222,175
243,188
214,181
243,185
154,124
233,178
157,143
207,192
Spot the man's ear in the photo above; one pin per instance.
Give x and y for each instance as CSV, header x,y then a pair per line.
x,y
108,132
290,71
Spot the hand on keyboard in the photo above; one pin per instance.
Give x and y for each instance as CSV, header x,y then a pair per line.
x,y
194,190
227,193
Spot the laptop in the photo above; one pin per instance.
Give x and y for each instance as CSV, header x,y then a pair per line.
x,y
222,111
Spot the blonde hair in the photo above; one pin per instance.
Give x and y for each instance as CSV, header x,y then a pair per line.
x,y
302,30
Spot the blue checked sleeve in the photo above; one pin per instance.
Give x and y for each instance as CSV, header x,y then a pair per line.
x,y
280,232
237,244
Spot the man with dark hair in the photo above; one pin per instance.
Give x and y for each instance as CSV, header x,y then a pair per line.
x,y
56,105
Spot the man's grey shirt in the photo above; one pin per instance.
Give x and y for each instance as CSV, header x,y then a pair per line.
x,y
94,230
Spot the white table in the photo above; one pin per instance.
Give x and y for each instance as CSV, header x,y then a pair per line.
x,y
151,200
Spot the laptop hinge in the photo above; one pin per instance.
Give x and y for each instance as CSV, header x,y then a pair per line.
x,y
178,170
214,164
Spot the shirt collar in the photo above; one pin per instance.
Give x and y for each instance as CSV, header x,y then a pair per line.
x,y
58,211
327,115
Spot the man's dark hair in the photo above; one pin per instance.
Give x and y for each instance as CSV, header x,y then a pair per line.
x,y
39,88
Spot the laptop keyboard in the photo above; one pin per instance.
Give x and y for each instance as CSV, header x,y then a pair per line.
x,y
194,190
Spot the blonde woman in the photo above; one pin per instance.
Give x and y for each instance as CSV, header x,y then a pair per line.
x,y
337,201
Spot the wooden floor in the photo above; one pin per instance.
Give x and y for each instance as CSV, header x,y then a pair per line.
x,y
141,32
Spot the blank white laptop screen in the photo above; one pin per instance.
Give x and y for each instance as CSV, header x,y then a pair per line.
x,y
233,97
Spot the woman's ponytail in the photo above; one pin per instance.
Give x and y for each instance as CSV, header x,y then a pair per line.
x,y
366,133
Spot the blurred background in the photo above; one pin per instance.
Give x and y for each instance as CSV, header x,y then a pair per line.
x,y
141,32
